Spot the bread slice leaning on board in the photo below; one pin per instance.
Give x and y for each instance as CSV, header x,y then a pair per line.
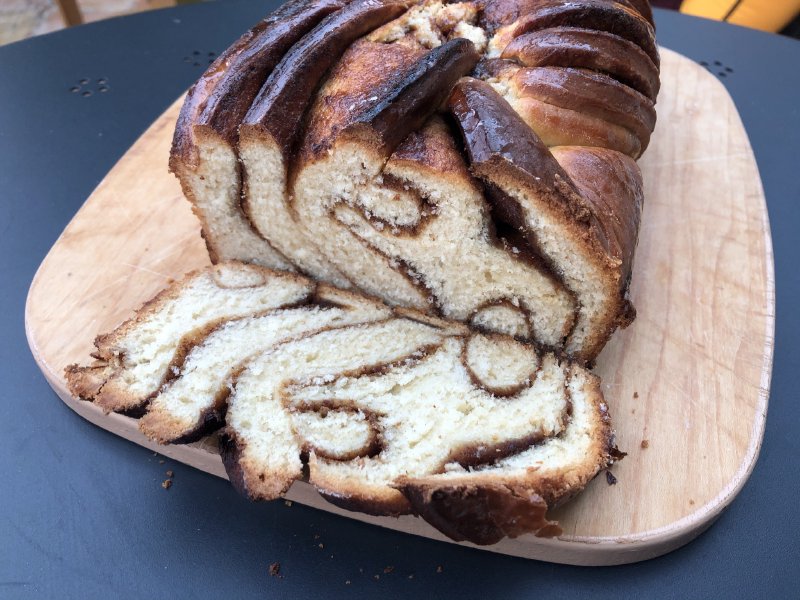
x,y
472,160
384,410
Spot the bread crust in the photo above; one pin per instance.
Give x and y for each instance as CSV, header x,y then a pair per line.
x,y
209,120
599,51
599,15
497,13
223,94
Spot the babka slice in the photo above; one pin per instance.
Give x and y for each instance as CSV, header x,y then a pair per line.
x,y
270,130
193,404
138,357
478,434
386,411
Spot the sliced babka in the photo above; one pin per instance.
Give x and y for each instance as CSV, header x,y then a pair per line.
x,y
385,411
138,357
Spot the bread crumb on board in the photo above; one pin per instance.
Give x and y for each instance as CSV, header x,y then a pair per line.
x,y
645,444
610,478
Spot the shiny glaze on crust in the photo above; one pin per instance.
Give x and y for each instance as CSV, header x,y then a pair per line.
x,y
432,147
592,94
608,200
497,13
600,15
223,94
495,136
583,48
363,69
405,104
282,102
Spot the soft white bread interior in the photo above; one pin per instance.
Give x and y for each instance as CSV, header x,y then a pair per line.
x,y
412,412
138,357
193,403
204,155
410,225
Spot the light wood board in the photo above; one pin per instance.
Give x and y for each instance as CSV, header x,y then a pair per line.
x,y
689,379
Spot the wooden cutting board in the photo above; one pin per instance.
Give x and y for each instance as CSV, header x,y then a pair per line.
x,y
687,383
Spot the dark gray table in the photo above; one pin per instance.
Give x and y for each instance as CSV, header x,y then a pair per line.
x,y
82,512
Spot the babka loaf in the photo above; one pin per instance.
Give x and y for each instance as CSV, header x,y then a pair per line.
x,y
386,410
473,160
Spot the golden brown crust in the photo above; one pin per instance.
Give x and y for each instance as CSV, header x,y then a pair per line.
x,y
382,92
587,49
600,15
279,107
433,148
612,184
497,13
591,94
496,138
364,67
223,94
413,96
481,514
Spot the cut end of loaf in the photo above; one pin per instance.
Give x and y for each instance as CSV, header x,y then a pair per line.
x,y
339,184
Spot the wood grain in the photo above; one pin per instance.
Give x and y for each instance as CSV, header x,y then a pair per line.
x,y
687,383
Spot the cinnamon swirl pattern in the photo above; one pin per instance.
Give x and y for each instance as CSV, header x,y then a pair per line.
x,y
386,411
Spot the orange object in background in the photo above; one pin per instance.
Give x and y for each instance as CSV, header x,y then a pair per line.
x,y
766,15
